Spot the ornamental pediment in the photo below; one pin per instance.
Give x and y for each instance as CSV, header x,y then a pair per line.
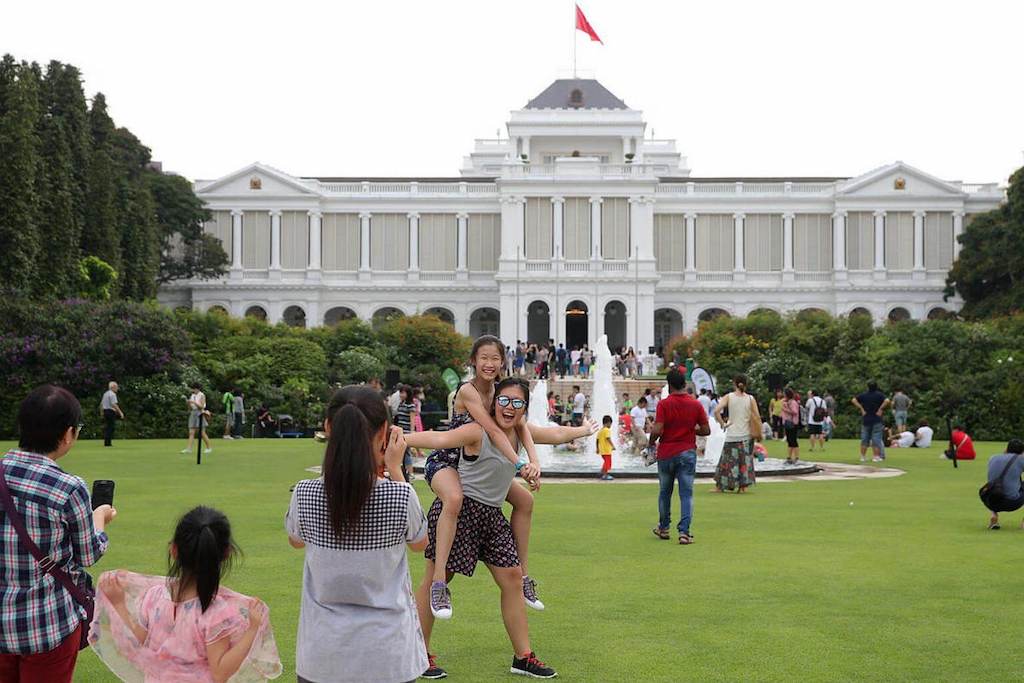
x,y
255,180
897,180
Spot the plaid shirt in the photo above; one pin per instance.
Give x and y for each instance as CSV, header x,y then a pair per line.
x,y
36,613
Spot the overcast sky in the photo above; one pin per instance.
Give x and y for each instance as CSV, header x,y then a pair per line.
x,y
402,88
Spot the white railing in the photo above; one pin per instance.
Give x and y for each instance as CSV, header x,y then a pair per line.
x,y
811,188
615,266
538,266
576,266
813,276
712,276
366,188
515,170
785,188
981,188
436,276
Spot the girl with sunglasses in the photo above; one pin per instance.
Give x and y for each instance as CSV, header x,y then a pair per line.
x,y
483,533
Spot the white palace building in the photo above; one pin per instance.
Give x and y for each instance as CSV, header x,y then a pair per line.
x,y
578,225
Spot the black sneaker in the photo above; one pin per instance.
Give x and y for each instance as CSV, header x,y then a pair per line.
x,y
433,670
532,667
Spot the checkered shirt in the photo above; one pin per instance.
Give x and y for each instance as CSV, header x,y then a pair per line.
x,y
383,524
36,612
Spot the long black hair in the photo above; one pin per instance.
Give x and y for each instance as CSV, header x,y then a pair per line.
x,y
356,413
205,551
488,340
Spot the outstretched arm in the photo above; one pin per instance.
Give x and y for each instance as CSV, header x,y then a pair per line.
x,y
454,438
224,658
556,434
475,406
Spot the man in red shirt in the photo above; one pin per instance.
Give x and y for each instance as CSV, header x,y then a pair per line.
x,y
678,421
962,444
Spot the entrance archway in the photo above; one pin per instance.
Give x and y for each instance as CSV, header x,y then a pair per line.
x,y
668,323
538,323
442,314
577,324
711,313
899,314
484,321
383,315
294,316
337,314
257,312
615,324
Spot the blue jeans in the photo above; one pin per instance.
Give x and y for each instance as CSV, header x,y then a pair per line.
x,y
681,468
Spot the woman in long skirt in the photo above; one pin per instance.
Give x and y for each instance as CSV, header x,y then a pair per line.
x,y
735,469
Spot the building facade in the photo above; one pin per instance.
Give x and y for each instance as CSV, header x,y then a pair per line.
x,y
577,225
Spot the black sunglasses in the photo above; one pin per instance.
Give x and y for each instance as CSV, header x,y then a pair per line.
x,y
504,401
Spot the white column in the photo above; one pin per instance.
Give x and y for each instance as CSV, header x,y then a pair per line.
x,y
641,227
739,271
512,228
839,243
625,147
526,146
919,242
275,243
462,258
595,227
557,225
315,242
958,229
691,246
414,245
787,246
364,244
879,244
236,243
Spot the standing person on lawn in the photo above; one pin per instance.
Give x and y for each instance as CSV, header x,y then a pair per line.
x,y
40,621
736,465
198,418
238,414
227,400
775,411
677,424
111,411
817,411
358,620
790,425
900,409
483,533
871,404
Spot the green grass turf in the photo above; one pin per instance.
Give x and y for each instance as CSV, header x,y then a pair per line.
x,y
786,583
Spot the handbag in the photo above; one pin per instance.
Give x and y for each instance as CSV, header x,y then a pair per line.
x,y
993,490
85,597
754,420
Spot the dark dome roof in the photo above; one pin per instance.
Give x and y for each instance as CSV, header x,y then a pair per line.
x,y
576,93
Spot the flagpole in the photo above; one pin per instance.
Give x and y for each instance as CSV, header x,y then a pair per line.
x,y
574,32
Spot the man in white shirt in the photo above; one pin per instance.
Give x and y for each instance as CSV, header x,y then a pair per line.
x,y
574,361
111,411
639,415
579,404
923,436
817,411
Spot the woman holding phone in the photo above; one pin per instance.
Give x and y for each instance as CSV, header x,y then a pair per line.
x,y
355,527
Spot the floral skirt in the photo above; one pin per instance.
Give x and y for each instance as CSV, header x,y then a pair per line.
x,y
736,466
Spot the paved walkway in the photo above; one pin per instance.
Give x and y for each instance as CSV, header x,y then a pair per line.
x,y
830,471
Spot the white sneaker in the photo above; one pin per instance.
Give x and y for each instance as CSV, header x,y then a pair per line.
x,y
186,450
208,450
226,436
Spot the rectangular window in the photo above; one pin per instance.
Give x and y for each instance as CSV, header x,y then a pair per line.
x,y
389,241
576,229
294,240
256,240
538,228
899,240
938,240
812,242
762,242
860,240
670,242
615,228
340,240
484,242
219,226
715,239
439,241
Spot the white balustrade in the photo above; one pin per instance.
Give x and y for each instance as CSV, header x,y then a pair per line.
x,y
615,266
576,266
813,276
538,266
712,276
437,277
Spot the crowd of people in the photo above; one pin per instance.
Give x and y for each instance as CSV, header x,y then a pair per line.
x,y
547,360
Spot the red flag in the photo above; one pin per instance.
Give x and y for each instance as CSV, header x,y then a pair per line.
x,y
583,25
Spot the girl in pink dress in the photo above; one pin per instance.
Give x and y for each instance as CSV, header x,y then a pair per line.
x,y
185,627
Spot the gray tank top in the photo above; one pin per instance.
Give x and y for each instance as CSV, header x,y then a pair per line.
x,y
486,477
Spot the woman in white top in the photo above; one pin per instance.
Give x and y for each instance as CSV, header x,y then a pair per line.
x,y
736,466
198,419
358,620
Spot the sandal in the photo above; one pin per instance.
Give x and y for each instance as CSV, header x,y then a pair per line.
x,y
660,533
685,539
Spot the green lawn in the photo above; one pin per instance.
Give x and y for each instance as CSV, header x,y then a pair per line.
x,y
787,583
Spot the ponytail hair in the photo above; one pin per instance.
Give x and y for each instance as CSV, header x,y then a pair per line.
x,y
740,380
204,552
356,414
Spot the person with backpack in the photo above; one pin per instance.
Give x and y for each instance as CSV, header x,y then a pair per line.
x,y
817,412
1004,490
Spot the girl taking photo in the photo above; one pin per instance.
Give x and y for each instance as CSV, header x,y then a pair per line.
x,y
357,620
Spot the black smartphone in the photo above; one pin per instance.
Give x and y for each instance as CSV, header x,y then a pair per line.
x,y
102,493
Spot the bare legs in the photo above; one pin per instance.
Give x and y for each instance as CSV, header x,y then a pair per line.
x,y
513,609
521,519
192,439
448,487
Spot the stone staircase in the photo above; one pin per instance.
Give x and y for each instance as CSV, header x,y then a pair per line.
x,y
634,387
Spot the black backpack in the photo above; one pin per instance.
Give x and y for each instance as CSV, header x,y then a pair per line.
x,y
820,410
992,492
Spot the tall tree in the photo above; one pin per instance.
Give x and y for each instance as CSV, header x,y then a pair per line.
x,y
65,102
989,274
100,232
186,251
19,104
58,224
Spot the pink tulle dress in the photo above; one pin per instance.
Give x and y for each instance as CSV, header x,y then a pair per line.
x,y
175,647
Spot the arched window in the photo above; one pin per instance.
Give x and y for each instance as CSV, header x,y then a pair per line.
x,y
294,316
257,312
